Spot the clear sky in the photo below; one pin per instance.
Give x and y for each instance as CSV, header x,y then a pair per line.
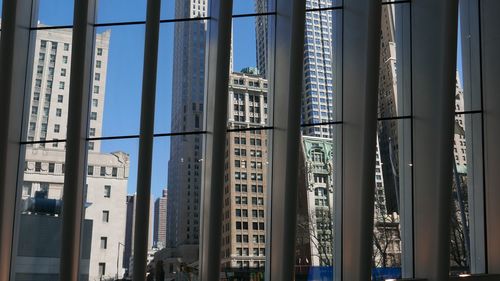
x,y
124,76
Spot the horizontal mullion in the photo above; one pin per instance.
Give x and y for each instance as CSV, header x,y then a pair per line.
x,y
394,118
396,2
254,15
250,129
51,27
320,124
324,9
468,112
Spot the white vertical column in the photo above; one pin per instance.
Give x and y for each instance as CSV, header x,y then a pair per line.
x,y
142,209
76,144
214,145
361,51
14,72
471,64
285,53
490,61
434,45
404,133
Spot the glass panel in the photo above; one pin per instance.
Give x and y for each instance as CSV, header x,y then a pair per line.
x,y
41,202
318,100
181,77
49,96
110,11
392,159
465,241
394,97
184,9
248,84
177,168
250,7
55,12
316,209
117,81
323,4
109,199
245,205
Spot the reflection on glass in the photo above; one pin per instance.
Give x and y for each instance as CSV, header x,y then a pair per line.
x,y
386,257
459,233
314,242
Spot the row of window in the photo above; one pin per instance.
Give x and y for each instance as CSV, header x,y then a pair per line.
x,y
103,171
244,213
256,252
243,176
243,200
244,225
243,152
250,83
244,188
243,140
243,238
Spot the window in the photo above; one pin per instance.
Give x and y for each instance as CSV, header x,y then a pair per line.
x,y
97,77
58,112
103,171
93,116
65,59
95,102
56,128
105,216
104,242
99,51
63,72
98,64
92,132
91,145
107,191
66,46
60,98
90,170
61,85
102,269
114,172
38,166
96,89
51,167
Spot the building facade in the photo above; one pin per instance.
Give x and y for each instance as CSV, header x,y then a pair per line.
x,y
184,166
107,173
107,179
160,221
245,188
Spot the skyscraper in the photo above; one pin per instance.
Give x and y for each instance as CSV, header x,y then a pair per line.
x,y
160,221
184,167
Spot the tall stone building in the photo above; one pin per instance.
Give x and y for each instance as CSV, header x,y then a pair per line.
x,y
245,179
184,166
107,173
160,221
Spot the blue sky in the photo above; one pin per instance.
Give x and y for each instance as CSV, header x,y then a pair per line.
x,y
124,77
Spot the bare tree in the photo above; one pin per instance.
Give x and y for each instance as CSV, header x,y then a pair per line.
x,y
386,237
